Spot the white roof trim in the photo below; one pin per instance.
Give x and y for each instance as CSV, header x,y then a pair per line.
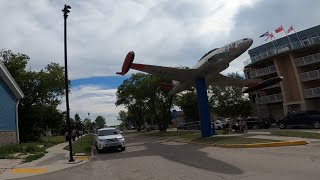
x,y
8,79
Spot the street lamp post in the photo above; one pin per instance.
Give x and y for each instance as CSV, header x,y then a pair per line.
x,y
65,11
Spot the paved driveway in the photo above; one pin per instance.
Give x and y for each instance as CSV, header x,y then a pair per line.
x,y
150,158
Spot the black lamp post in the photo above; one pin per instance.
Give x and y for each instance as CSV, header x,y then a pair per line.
x,y
65,11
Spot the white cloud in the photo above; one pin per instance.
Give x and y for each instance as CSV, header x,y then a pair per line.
x,y
94,100
100,33
162,32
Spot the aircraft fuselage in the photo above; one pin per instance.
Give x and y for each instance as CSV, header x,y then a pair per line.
x,y
220,58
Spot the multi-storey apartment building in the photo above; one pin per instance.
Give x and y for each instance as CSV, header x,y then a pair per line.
x,y
297,59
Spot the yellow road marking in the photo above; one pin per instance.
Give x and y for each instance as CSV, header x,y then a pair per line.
x,y
29,170
82,157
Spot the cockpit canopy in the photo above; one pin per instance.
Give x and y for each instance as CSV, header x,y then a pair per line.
x,y
208,53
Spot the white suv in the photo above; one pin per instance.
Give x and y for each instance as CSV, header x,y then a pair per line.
x,y
109,138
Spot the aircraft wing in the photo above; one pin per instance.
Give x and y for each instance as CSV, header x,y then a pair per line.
x,y
251,84
222,80
167,72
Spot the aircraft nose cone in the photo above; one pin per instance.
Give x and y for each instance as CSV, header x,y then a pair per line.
x,y
248,42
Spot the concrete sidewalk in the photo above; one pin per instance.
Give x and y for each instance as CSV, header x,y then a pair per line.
x,y
56,159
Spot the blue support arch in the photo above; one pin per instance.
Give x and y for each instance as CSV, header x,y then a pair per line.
x,y
204,114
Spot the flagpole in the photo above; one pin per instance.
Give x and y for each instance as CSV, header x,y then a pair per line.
x,y
271,36
286,35
274,36
297,36
273,43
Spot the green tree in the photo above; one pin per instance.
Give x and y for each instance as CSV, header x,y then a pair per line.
x,y
229,101
87,124
77,122
123,117
100,122
188,102
43,91
142,95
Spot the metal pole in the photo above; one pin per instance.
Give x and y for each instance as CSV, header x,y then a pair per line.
x,y
65,15
257,104
297,36
287,36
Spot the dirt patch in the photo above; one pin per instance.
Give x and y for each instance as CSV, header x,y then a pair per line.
x,y
6,164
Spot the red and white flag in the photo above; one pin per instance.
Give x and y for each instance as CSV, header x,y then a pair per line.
x,y
290,29
270,35
279,29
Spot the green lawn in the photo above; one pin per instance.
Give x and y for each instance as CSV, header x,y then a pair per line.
x,y
195,136
301,134
26,151
49,141
231,140
33,157
83,145
29,151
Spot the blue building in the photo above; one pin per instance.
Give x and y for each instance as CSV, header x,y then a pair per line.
x,y
10,94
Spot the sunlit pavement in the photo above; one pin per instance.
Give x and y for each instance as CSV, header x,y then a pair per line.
x,y
150,158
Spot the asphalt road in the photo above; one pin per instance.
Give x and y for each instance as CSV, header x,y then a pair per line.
x,y
150,158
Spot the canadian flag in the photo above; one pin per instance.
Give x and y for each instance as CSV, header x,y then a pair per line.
x,y
279,29
290,29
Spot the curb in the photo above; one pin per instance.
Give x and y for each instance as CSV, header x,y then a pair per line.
x,y
259,145
256,145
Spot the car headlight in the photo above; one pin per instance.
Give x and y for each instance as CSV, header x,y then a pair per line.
x,y
120,138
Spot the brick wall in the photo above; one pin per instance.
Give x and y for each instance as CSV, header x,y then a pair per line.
x,y
8,137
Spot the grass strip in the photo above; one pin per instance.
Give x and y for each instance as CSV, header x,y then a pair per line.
x,y
83,145
33,157
195,136
301,134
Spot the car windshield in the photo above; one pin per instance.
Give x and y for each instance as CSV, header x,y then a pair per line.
x,y
107,132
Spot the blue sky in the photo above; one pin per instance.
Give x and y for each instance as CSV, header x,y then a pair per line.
x,y
107,82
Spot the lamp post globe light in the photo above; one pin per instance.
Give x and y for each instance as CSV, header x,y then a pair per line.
x,y
65,11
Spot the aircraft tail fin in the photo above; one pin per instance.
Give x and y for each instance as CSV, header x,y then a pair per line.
x,y
127,63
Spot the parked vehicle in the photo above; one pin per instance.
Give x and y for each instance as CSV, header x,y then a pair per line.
x,y
193,125
218,124
305,118
109,138
257,123
182,126
189,126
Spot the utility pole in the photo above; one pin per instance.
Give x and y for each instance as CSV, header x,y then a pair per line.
x,y
65,11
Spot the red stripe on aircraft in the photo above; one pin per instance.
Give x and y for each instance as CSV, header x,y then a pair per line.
x,y
137,66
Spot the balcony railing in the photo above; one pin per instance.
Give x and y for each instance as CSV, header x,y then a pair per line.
x,y
271,87
276,50
264,71
308,59
311,75
269,99
312,92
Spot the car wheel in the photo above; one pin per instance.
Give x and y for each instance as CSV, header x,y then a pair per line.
x,y
99,150
282,126
316,124
255,127
123,148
